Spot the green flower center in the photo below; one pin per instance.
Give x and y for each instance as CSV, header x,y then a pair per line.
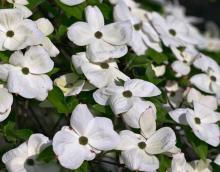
x,y
181,49
30,162
138,26
213,78
25,71
98,35
83,140
172,32
142,145
127,94
197,120
69,85
104,65
10,33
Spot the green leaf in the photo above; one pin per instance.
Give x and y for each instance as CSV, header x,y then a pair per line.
x,y
165,163
4,56
56,98
23,134
99,108
47,155
54,71
82,168
76,11
71,103
157,57
12,134
61,103
200,147
34,3
8,131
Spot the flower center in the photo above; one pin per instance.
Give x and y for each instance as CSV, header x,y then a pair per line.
x,y
181,49
213,78
184,61
98,35
197,120
30,162
172,32
83,140
142,145
138,26
10,33
104,65
69,85
25,71
127,93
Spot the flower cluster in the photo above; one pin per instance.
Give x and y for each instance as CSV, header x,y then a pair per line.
x,y
150,80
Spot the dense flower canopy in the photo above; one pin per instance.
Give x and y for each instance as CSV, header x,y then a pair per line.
x,y
107,85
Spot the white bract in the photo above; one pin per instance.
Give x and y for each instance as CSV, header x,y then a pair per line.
x,y
103,42
132,116
143,35
122,97
185,57
159,70
98,74
24,157
179,11
26,73
6,100
20,4
16,32
74,2
209,81
172,31
179,164
194,95
139,150
46,27
86,136
71,84
202,120
174,93
217,159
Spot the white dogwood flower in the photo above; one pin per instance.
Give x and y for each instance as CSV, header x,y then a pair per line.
x,y
46,27
172,31
132,116
174,93
179,11
194,95
122,98
179,164
209,81
217,159
16,32
6,100
185,57
202,120
71,84
20,4
74,2
143,35
159,70
103,41
24,157
98,74
86,136
139,150
26,73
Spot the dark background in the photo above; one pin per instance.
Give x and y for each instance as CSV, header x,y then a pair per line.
x,y
207,9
